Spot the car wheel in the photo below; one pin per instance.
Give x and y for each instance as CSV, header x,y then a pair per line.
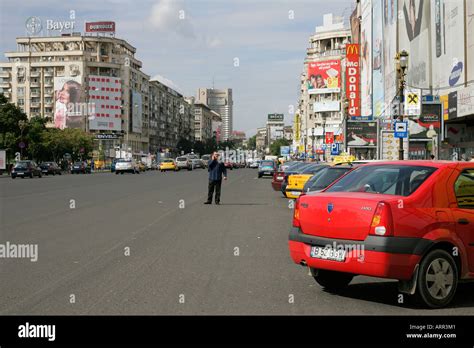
x,y
437,279
330,280
121,173
116,173
39,176
13,177
60,173
259,176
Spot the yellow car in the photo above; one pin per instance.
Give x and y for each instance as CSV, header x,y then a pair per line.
x,y
296,181
168,164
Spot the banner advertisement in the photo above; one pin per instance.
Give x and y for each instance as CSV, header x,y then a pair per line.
x,y
389,53
366,58
465,101
105,93
428,125
361,134
377,59
327,105
447,33
137,122
391,145
469,20
275,117
329,138
413,99
69,112
353,79
414,37
100,27
324,77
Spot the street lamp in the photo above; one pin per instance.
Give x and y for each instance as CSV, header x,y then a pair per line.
x,y
402,66
22,124
312,142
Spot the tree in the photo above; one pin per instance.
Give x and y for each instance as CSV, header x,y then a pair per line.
x,y
275,147
10,131
252,143
184,145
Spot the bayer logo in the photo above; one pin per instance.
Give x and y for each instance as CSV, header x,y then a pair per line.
x,y
33,25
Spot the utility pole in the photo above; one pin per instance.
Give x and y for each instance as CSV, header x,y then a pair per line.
x,y
402,66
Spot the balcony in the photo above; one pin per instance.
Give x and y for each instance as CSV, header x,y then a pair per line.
x,y
49,104
35,105
4,84
4,74
35,74
48,83
48,73
35,84
35,94
48,92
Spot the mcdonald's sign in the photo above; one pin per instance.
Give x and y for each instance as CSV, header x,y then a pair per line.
x,y
353,78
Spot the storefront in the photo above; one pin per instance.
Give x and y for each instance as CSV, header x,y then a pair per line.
x,y
425,132
362,139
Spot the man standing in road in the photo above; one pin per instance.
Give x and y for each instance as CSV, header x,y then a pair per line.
x,y
216,171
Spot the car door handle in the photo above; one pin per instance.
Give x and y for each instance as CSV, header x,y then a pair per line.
x,y
463,221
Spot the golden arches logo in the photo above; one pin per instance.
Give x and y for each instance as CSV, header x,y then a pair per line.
x,y
352,49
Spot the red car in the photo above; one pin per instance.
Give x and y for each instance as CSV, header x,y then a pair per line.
x,y
407,220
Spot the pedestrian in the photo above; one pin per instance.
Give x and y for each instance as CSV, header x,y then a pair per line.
x,y
432,157
217,171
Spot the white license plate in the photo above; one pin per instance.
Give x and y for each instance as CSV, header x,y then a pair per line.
x,y
328,254
279,178
266,172
20,173
295,193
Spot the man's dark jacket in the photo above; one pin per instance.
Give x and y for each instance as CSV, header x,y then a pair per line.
x,y
216,170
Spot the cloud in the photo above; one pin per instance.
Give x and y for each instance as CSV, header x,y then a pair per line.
x,y
170,16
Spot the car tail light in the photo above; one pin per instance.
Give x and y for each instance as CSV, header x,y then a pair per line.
x,y
296,214
382,223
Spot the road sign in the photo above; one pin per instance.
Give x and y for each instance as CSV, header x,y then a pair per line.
x,y
412,101
335,149
401,130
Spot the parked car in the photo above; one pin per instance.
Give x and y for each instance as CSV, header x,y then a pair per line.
x,y
184,163
126,166
168,164
266,168
24,169
297,181
196,163
81,167
112,165
404,220
326,177
282,172
141,166
205,160
50,168
254,164
155,166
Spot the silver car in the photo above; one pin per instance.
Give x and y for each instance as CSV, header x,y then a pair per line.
x,y
126,166
184,162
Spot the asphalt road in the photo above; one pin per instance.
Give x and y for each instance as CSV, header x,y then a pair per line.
x,y
184,257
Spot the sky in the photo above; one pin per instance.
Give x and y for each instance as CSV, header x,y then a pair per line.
x,y
255,47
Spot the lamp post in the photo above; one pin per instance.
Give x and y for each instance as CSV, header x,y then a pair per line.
x,y
323,122
312,142
22,124
402,66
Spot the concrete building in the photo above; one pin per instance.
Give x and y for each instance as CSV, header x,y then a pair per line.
x,y
106,90
221,101
203,120
322,88
261,140
275,128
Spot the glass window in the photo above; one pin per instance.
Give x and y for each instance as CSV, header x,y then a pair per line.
x,y
464,189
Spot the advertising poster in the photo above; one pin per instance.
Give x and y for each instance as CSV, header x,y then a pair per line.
x,y
377,59
470,39
324,77
390,146
389,53
366,58
361,134
465,101
447,32
137,122
353,79
105,94
414,37
428,125
68,110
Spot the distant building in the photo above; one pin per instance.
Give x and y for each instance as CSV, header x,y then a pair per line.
x,y
261,140
238,138
275,128
204,118
219,100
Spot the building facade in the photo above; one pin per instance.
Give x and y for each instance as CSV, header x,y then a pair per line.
x,y
203,118
221,101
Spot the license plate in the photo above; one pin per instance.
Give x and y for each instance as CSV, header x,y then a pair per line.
x,y
20,173
328,253
279,178
295,193
266,172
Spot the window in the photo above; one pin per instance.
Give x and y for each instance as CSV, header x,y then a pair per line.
x,y
464,189
400,180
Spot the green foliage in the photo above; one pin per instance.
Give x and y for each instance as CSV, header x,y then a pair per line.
x,y
275,147
252,143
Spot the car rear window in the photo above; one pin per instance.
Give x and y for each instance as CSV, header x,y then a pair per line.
x,y
312,169
400,180
167,161
181,159
267,164
22,165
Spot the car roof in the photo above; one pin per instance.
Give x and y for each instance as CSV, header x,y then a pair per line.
x,y
421,163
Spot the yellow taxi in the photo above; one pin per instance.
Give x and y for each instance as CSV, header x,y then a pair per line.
x,y
296,181
168,164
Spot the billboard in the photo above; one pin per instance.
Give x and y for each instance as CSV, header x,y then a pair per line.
x,y
105,93
136,110
366,58
389,52
447,32
414,37
327,105
276,132
428,124
465,101
324,77
377,59
361,134
100,27
275,117
470,39
353,78
68,109
390,146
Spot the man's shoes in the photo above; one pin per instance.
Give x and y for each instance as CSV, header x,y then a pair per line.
x,y
207,202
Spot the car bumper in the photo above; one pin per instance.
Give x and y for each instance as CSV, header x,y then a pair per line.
x,y
277,185
383,257
265,173
24,175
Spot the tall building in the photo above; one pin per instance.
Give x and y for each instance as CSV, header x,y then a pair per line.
x,y
320,105
203,119
89,82
219,100
261,140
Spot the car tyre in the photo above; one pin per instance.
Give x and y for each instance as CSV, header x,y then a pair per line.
x,y
259,176
437,279
330,280
39,176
